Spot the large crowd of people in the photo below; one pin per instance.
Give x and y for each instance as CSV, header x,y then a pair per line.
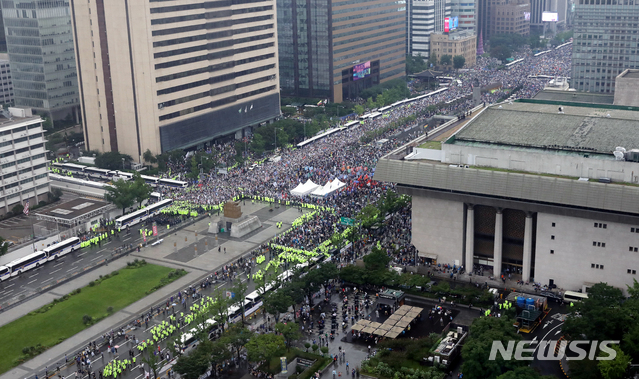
x,y
343,155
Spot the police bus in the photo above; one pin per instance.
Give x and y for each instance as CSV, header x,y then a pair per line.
x,y
142,214
5,273
172,183
27,263
571,296
59,249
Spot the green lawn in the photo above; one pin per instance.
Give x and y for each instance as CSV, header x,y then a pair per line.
x,y
64,318
433,145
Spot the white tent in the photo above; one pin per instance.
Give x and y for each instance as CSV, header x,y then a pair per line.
x,y
333,186
304,189
329,188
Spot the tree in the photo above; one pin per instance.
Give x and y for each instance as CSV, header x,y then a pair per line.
x,y
121,194
112,160
239,290
446,59
220,308
290,331
337,240
432,59
615,368
353,274
377,260
459,61
501,53
17,209
315,278
370,104
523,373
141,190
193,365
4,247
476,350
415,64
369,216
149,157
236,338
277,302
600,316
359,109
263,347
153,361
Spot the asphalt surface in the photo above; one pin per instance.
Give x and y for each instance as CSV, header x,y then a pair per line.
x,y
53,272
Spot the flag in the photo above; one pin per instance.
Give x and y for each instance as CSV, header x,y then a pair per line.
x,y
26,208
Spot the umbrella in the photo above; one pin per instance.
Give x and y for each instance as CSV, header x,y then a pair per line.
x,y
364,322
385,327
357,327
368,330
374,324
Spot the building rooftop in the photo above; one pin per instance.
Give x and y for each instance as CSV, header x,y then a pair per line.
x,y
575,97
630,74
588,129
73,210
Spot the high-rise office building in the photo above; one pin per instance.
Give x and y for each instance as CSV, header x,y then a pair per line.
x,y
3,38
509,16
425,17
337,48
604,43
23,161
40,47
466,11
6,83
168,74
537,9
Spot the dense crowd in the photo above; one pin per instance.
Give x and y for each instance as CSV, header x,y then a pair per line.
x,y
342,156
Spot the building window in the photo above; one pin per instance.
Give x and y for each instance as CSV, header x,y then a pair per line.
x,y
552,252
552,237
633,272
553,224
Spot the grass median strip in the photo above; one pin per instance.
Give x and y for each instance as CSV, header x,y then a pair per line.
x,y
32,334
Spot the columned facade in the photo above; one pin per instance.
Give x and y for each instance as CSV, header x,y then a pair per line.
x,y
497,252
500,240
470,237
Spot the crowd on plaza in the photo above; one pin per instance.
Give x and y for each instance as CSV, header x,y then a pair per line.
x,y
339,156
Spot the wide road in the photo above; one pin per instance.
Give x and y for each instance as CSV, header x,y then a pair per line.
x,y
36,280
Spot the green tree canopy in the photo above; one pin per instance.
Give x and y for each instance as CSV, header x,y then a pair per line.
x,y
262,347
195,364
476,350
377,260
112,160
140,189
600,316
121,194
615,368
149,157
415,64
236,338
277,302
446,59
459,61
290,331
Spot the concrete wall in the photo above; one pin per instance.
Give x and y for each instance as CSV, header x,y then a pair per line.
x,y
438,228
542,162
570,264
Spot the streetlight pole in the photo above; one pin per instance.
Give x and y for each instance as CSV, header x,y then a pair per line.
x,y
122,164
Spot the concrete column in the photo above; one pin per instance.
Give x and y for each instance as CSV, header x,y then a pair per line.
x,y
499,234
470,237
525,275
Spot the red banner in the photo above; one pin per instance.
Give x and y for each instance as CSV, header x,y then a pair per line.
x,y
155,230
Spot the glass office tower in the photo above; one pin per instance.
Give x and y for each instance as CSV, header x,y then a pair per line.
x,y
40,47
